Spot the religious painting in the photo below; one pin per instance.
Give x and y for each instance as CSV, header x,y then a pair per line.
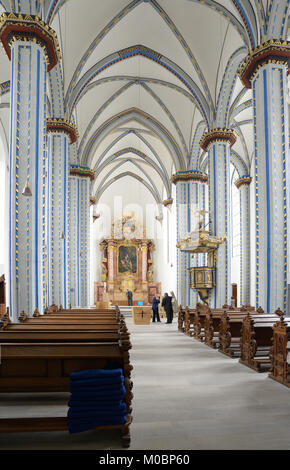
x,y
127,259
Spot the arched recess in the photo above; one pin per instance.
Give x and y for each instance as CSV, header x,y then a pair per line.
x,y
125,54
156,197
164,177
131,160
146,120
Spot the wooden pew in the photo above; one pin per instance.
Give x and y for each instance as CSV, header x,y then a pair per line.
x,y
256,340
280,367
181,317
213,323
199,321
230,330
189,321
44,366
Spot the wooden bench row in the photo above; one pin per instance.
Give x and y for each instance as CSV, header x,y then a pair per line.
x,y
259,339
38,354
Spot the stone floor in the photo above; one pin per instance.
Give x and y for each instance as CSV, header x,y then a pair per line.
x,y
186,396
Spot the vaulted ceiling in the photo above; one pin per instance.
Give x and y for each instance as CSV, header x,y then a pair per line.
x,y
142,80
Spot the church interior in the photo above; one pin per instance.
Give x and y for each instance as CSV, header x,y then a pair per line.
x,y
144,150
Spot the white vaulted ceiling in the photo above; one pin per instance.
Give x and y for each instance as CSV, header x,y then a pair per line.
x,y
138,113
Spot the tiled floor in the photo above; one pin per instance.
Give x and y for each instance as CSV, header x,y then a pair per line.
x,y
186,396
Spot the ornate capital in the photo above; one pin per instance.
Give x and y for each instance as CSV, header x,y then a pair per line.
x,y
61,125
187,176
17,27
92,201
243,181
168,202
82,171
218,135
273,51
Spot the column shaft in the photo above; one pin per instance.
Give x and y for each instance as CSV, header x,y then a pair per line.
x,y
220,220
27,164
271,161
245,254
58,219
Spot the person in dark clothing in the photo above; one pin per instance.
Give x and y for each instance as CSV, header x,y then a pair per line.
x,y
129,295
155,302
167,304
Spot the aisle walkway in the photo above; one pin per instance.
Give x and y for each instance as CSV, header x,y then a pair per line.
x,y
186,396
189,396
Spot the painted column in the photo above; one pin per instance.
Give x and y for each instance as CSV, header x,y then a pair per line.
x,y
265,71
60,134
245,255
80,178
217,143
188,185
32,47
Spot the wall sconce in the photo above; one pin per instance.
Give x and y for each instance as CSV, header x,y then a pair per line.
x,y
62,237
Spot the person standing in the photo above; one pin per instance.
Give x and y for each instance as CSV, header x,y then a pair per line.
x,y
155,302
167,304
129,295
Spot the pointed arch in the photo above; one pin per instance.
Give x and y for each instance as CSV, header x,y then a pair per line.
x,y
144,119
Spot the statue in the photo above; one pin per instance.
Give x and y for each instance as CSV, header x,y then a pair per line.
x,y
104,270
150,273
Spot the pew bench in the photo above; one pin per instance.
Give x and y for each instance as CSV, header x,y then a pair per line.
x,y
256,341
181,318
280,367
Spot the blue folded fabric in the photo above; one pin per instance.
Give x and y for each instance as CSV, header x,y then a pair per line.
x,y
96,373
93,414
98,390
93,383
99,395
97,406
77,425
94,403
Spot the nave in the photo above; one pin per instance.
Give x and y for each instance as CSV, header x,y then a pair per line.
x,y
186,396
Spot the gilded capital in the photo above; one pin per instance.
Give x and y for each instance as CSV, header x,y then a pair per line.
x,y
82,172
54,125
168,202
273,51
243,181
218,135
18,27
188,176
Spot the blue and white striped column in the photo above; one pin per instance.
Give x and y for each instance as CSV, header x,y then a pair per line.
x,y
217,143
245,252
60,134
188,200
29,64
80,187
268,79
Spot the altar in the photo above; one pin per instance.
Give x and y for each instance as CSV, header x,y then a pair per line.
x,y
127,264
